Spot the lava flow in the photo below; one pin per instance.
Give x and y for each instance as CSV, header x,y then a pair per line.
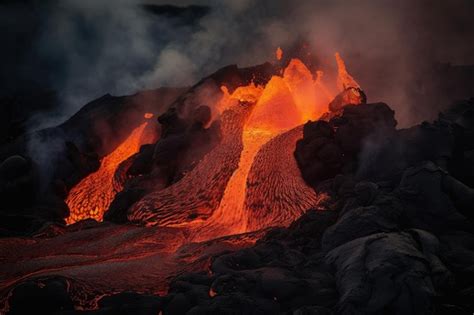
x,y
219,197
226,193
91,197
246,183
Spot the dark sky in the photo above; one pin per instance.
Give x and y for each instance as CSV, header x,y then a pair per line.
x,y
82,49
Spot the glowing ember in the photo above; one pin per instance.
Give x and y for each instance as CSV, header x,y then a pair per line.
x,y
279,53
91,197
148,115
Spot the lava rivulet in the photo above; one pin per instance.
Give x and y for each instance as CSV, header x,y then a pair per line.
x,y
91,197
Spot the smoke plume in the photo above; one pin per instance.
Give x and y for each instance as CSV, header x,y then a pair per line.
x,y
84,48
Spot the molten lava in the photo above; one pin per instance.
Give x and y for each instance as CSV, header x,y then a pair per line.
x,y
344,79
250,181
92,196
221,195
279,53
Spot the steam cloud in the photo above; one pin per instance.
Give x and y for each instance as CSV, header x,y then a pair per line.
x,y
88,48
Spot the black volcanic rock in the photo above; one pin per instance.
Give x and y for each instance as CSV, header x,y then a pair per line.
x,y
117,211
129,303
400,246
14,166
184,142
317,153
395,234
426,205
387,273
329,148
17,184
363,221
351,95
461,195
358,121
45,297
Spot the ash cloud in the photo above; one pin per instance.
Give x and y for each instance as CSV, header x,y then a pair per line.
x,y
84,49
399,51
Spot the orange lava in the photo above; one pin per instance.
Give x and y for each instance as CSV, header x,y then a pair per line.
x,y
344,79
279,53
92,196
226,194
250,181
284,103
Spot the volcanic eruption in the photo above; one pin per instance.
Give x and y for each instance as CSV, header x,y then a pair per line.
x,y
267,189
260,125
247,182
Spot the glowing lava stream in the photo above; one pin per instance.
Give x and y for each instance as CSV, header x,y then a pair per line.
x,y
231,216
92,196
284,103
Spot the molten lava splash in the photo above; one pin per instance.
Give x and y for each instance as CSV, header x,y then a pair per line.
x,y
344,79
92,196
276,109
323,96
300,82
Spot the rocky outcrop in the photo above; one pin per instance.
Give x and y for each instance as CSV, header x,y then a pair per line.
x,y
333,147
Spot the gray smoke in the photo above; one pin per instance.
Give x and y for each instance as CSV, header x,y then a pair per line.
x,y
117,47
